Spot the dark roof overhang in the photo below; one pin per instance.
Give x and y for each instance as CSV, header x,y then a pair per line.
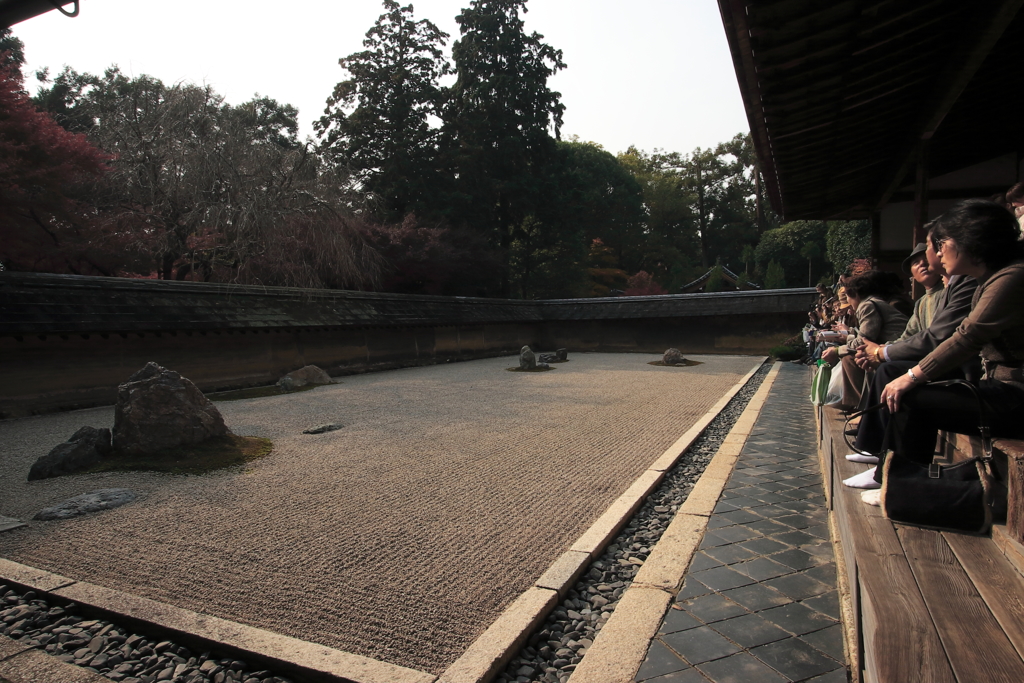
x,y
14,11
841,96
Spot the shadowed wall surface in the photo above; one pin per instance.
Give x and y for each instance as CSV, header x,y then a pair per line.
x,y
68,341
400,537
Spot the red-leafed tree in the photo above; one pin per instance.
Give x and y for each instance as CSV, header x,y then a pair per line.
x,y
643,284
42,166
425,259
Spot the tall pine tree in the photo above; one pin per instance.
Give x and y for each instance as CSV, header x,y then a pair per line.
x,y
377,123
501,120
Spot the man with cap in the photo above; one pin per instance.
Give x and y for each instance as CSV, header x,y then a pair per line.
x,y
928,276
952,304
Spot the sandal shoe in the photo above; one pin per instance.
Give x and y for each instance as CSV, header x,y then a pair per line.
x,y
864,480
866,458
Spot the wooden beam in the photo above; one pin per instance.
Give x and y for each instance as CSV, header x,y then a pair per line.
x,y
962,65
737,31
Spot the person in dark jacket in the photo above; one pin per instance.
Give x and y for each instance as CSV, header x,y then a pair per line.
x,y
979,239
893,360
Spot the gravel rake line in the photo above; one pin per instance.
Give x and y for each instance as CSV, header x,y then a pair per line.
x,y
553,651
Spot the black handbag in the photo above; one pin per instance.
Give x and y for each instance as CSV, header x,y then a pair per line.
x,y
935,496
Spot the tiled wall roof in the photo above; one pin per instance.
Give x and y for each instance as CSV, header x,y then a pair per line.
x,y
36,303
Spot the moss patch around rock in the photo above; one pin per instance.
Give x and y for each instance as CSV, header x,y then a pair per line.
x,y
257,392
685,364
213,454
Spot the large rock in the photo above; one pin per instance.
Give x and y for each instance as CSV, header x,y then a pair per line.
x,y
527,359
302,377
157,408
673,357
94,501
563,354
85,448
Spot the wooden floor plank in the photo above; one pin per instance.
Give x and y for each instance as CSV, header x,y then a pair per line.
x,y
900,640
998,582
978,649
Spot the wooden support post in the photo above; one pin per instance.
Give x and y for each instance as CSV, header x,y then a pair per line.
x,y
876,236
920,194
920,206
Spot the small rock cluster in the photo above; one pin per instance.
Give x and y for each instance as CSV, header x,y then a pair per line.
x,y
528,360
672,357
559,356
302,377
555,649
157,408
118,654
85,448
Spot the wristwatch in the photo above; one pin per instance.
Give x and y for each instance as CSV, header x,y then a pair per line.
x,y
913,377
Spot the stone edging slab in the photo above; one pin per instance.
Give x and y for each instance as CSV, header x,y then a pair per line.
x,y
499,643
22,664
620,647
289,655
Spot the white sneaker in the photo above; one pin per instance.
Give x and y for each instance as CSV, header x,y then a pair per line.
x,y
872,497
863,457
864,480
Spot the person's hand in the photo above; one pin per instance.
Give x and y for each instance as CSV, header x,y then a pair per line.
x,y
896,389
867,355
865,361
839,327
830,355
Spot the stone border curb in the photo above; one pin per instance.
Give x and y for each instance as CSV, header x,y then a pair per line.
x,y
22,664
8,523
293,657
620,647
499,643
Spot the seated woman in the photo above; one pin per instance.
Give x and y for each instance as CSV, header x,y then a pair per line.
x,y
877,321
979,239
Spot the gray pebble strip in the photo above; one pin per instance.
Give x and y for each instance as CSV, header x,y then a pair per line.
x,y
555,649
103,648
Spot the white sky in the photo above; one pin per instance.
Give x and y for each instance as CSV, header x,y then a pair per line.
x,y
650,73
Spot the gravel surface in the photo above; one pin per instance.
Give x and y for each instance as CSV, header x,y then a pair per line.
x,y
401,536
103,648
555,648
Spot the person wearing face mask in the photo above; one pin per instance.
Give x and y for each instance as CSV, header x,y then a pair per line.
x,y
952,303
979,239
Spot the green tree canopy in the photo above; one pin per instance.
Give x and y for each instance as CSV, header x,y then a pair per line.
x,y
377,123
499,119
783,246
847,241
775,276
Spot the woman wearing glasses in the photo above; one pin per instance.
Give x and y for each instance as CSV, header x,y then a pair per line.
x,y
981,239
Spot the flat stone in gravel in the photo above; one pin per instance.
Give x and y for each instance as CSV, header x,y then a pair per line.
x,y
94,501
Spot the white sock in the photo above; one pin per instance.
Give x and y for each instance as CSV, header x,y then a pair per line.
x,y
872,497
863,457
864,480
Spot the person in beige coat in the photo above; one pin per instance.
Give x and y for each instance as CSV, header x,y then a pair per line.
x,y
877,321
